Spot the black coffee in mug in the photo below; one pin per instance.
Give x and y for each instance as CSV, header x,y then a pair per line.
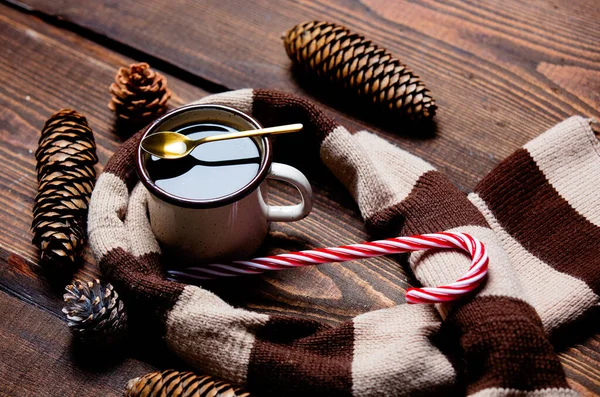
x,y
212,170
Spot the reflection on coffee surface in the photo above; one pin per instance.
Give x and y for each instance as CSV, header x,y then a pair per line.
x,y
212,170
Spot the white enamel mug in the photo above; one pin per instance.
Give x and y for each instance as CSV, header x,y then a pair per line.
x,y
228,227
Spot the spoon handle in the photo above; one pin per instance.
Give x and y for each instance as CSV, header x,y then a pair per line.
x,y
281,129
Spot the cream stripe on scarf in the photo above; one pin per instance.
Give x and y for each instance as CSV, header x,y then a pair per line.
x,y
501,279
212,335
138,224
108,206
394,345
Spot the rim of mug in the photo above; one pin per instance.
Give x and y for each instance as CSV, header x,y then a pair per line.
x,y
265,163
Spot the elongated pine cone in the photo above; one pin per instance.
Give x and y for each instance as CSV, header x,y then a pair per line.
x,y
348,60
95,311
179,384
65,157
139,94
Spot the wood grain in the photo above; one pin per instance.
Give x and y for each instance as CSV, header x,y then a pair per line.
x,y
38,360
480,59
499,74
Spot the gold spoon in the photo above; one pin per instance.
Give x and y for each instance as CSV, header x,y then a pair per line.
x,y
173,145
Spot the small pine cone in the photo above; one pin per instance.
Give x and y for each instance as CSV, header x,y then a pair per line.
x,y
139,94
347,59
174,383
65,170
94,311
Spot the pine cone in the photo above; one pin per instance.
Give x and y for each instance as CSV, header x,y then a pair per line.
x,y
94,311
139,94
65,170
348,60
174,383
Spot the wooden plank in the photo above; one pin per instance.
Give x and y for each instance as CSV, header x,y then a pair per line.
x,y
502,72
38,358
76,73
581,365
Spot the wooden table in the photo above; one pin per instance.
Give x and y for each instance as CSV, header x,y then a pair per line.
x,y
502,72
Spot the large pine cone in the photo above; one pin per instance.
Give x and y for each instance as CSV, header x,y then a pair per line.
x,y
175,384
65,170
348,60
139,94
95,311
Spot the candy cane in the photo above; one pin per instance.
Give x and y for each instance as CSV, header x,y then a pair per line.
x,y
397,245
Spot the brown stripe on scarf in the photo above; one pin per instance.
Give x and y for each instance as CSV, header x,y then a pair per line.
x,y
532,212
433,205
276,108
302,148
298,357
123,165
505,346
139,280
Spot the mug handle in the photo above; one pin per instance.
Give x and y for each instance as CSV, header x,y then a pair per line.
x,y
290,213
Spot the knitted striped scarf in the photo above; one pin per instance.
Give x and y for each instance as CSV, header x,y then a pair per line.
x,y
537,213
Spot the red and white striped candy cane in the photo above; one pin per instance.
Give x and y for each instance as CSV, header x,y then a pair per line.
x,y
397,245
